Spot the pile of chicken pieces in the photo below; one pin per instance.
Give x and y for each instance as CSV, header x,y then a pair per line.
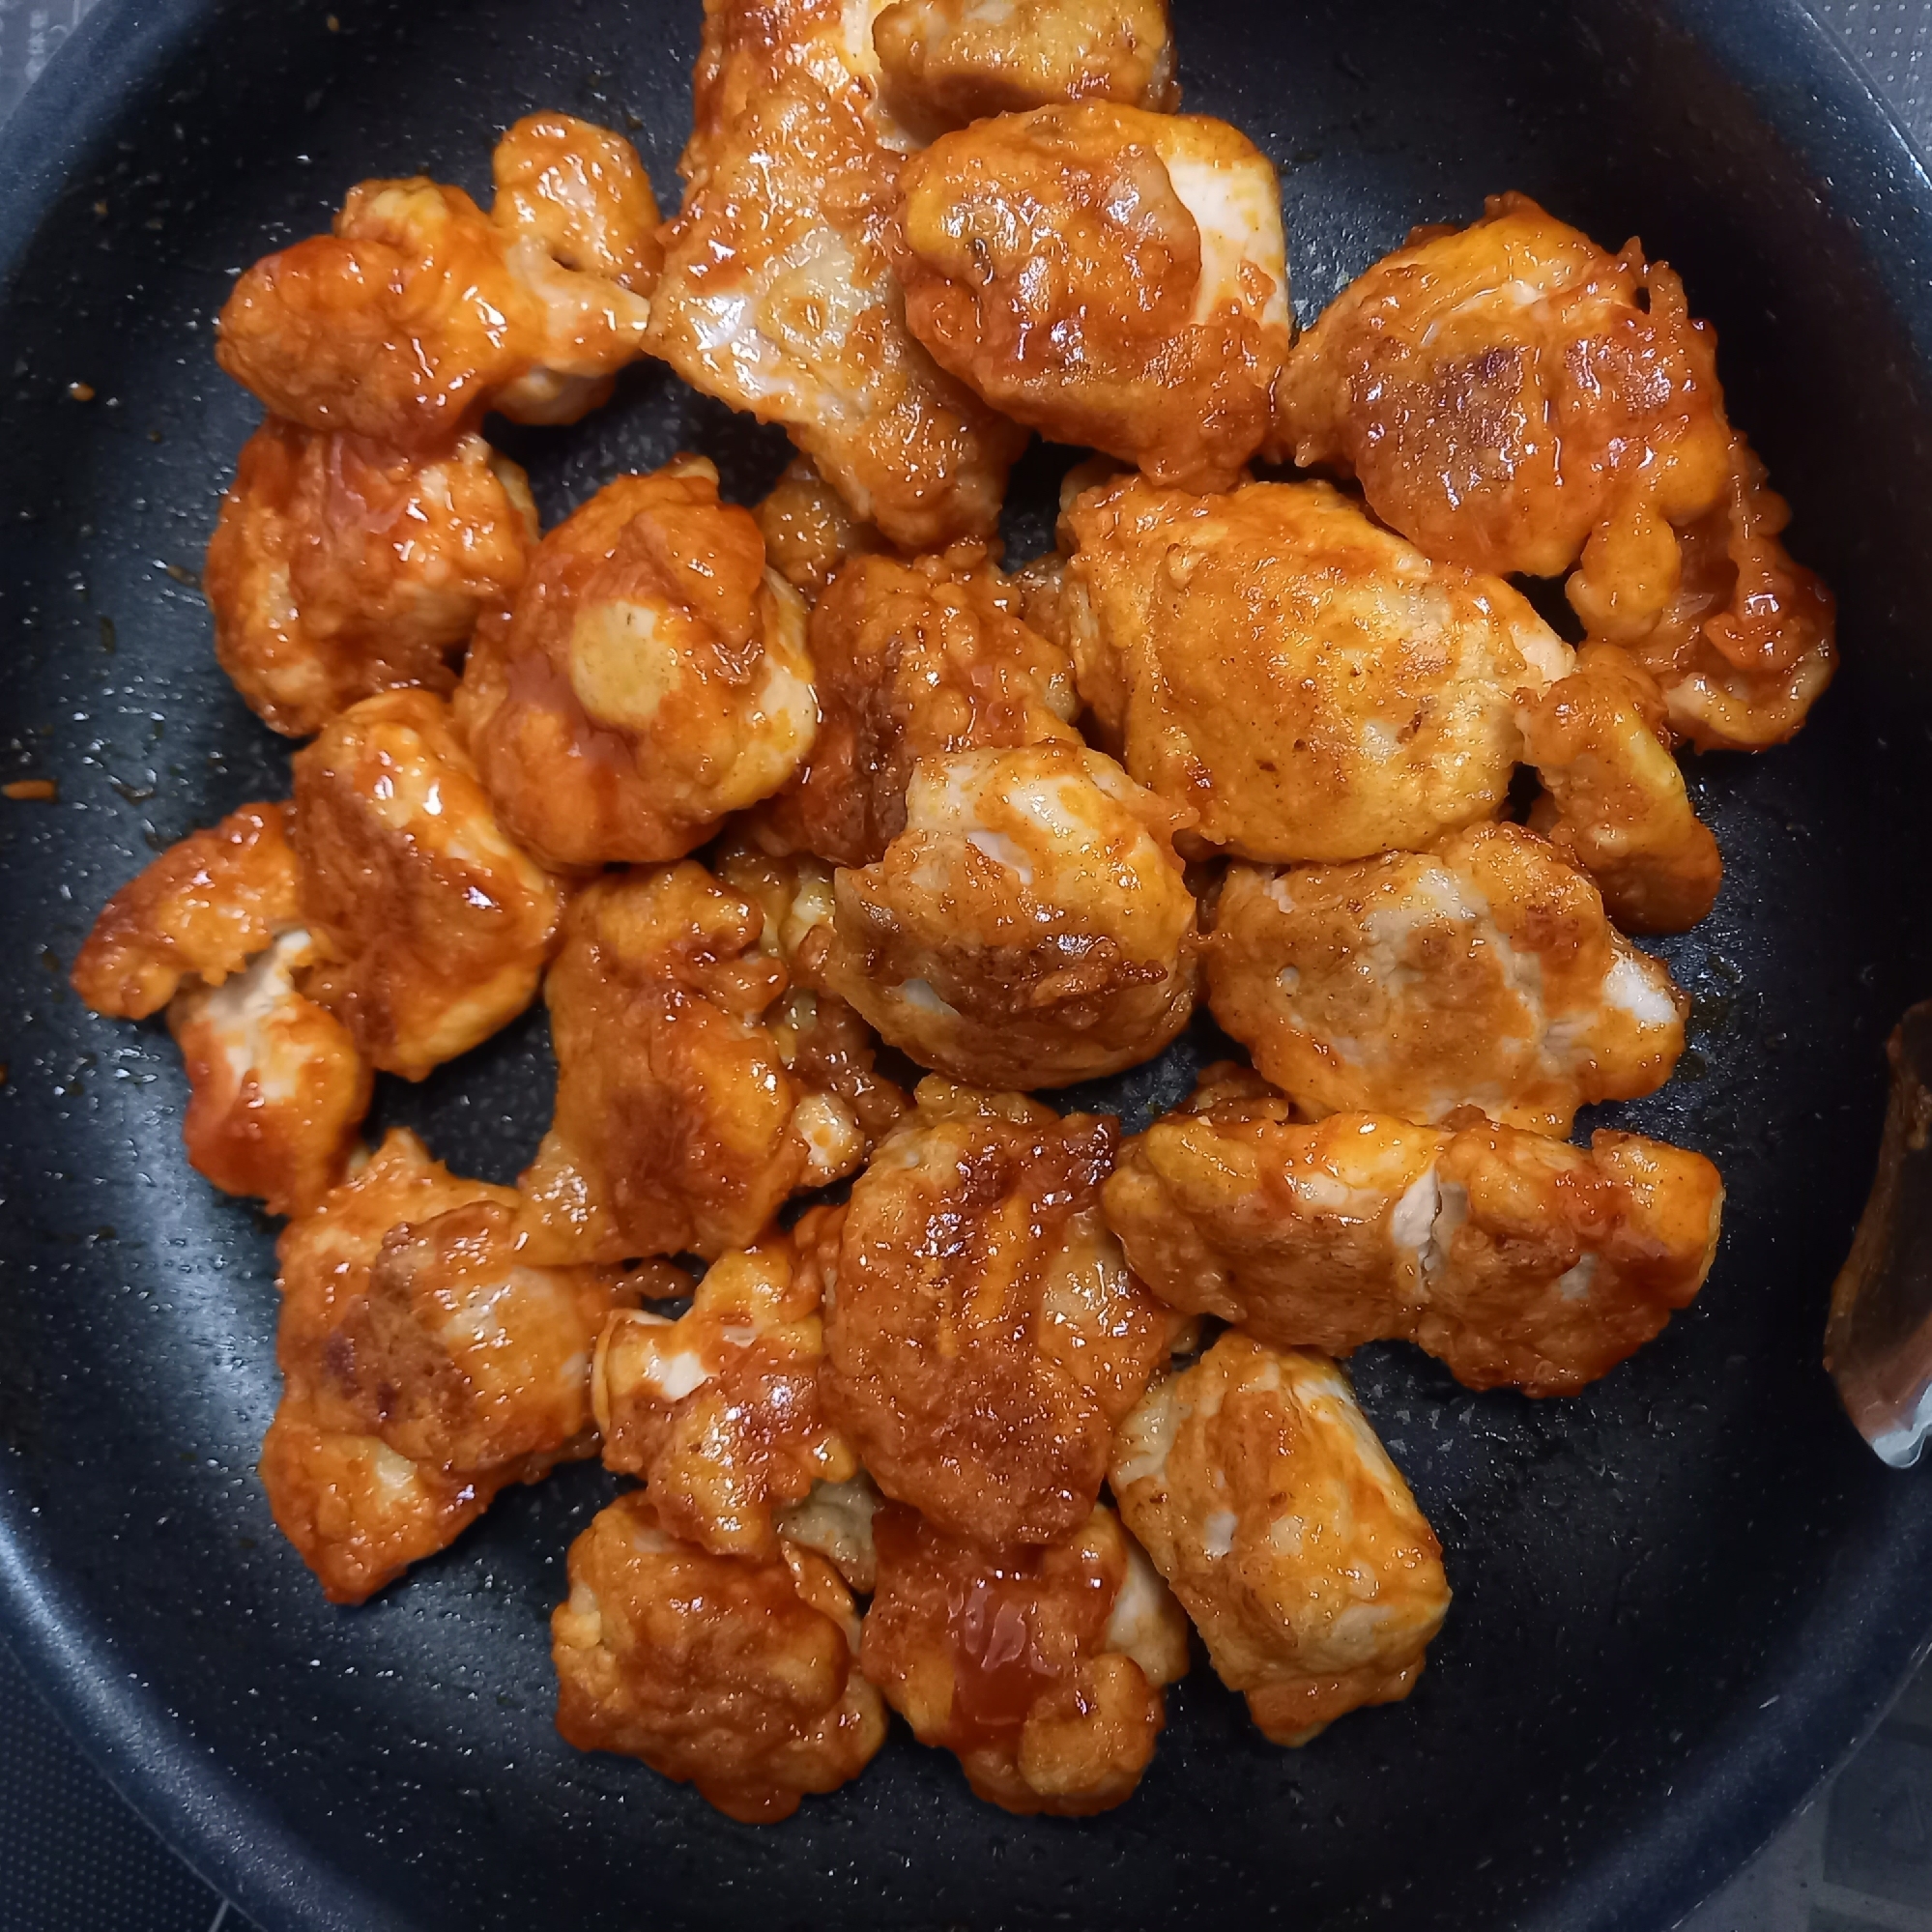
x,y
753,796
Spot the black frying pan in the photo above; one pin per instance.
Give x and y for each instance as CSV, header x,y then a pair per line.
x,y
1680,1597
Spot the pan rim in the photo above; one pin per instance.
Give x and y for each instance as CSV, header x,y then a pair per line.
x,y
1786,59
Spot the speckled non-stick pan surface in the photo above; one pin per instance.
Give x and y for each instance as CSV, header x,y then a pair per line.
x,y
1680,1597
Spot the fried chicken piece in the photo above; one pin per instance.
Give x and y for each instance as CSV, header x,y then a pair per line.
x,y
1513,398
1483,973
340,567
1041,1671
277,1089
651,679
982,1332
212,930
419,312
719,1411
1266,1501
1312,686
679,1126
1031,927
1106,276
912,660
1615,801
1511,1257
425,1364
778,295
432,927
201,910
730,1674
945,62
809,529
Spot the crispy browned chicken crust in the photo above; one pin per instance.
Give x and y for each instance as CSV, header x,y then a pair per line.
x,y
697,1088
1309,684
1513,398
425,1364
651,679
1106,276
943,63
733,1674
432,928
1266,1501
341,568
982,1332
419,312
1483,972
912,660
1515,1259
718,1411
778,295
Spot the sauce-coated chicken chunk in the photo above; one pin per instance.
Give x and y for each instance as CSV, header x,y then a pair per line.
x,y
809,529
419,311
912,660
719,1410
982,1332
1266,1501
201,910
733,1675
1483,973
652,678
1031,927
1615,801
778,295
432,927
341,568
1042,1669
276,1089
1107,276
1515,399
1511,1257
213,930
943,63
1308,684
425,1364
697,1088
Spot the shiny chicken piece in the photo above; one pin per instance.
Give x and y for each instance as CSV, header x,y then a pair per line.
x,y
809,529
419,312
212,930
681,1127
1515,399
1515,1259
432,928
733,1675
200,912
1042,1670
1031,927
719,1410
425,1365
276,1089
778,295
1483,973
912,660
983,1334
945,62
1309,684
340,567
651,679
1107,276
1266,1501
1615,801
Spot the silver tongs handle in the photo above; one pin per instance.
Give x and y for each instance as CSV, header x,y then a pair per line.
x,y
1878,1341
